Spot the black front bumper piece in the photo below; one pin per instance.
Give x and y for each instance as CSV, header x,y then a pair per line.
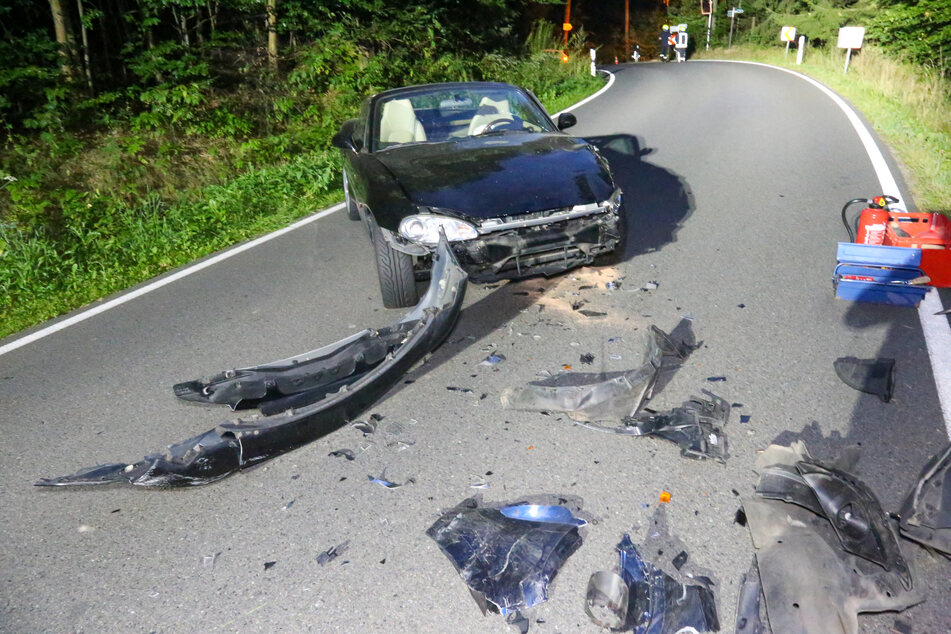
x,y
336,383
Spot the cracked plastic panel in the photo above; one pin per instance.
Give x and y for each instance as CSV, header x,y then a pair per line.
x,y
697,427
507,556
606,396
242,443
812,582
926,512
851,508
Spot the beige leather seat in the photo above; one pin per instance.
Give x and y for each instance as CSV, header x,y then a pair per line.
x,y
489,111
399,124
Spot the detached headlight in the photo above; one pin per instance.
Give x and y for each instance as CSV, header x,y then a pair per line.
x,y
424,229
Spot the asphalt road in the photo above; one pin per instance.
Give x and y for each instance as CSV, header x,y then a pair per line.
x,y
733,176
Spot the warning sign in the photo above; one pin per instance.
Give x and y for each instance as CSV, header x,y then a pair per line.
x,y
787,34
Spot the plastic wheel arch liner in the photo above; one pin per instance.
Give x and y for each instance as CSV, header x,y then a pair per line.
x,y
242,443
926,512
812,582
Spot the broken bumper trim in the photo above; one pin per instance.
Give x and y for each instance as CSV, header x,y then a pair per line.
x,y
242,443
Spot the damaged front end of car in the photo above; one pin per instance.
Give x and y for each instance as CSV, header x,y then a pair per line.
x,y
542,243
314,393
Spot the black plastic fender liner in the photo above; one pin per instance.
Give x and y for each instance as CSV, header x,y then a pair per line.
x,y
926,512
242,443
825,549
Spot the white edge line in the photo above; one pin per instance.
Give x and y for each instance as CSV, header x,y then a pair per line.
x,y
603,90
164,281
935,328
224,255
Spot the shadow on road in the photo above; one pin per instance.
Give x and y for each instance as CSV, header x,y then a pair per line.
x,y
657,201
898,437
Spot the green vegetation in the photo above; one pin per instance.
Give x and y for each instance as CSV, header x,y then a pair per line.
x,y
177,129
908,104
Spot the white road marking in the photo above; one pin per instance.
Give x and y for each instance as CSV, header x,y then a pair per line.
x,y
936,330
241,248
603,90
159,283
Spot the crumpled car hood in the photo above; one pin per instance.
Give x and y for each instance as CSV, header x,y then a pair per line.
x,y
500,174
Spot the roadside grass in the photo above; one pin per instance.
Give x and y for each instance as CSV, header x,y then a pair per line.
x,y
92,215
909,106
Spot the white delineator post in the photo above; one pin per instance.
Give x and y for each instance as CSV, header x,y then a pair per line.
x,y
594,71
802,48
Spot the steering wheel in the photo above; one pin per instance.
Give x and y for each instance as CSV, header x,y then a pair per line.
x,y
491,126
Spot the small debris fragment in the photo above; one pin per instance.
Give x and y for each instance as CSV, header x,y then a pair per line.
x,y
736,404
366,426
744,418
680,559
389,485
741,305
332,553
578,304
493,359
587,358
740,517
343,453
593,314
383,561
651,286
85,528
269,564
115,510
566,367
664,497
613,286
616,357
288,505
209,561
715,379
464,390
520,293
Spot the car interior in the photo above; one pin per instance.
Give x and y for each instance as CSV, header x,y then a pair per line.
x,y
445,116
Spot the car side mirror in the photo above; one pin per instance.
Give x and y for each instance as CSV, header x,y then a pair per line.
x,y
344,138
566,120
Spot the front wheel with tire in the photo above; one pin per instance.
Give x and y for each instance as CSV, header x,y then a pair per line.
x,y
395,270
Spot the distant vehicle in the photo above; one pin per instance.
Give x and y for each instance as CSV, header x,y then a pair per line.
x,y
485,164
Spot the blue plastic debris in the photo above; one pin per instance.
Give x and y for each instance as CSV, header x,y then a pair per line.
x,y
509,555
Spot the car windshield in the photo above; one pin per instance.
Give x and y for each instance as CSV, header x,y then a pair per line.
x,y
445,114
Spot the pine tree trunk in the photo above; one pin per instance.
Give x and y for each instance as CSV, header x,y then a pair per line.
x,y
64,38
272,35
82,29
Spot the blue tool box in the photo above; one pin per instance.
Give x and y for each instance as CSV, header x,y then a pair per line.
x,y
878,274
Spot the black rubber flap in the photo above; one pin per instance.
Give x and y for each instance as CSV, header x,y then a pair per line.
x,y
872,376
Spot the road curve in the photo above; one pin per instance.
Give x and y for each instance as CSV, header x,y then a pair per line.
x,y
733,177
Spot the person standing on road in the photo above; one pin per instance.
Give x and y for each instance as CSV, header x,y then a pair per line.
x,y
664,42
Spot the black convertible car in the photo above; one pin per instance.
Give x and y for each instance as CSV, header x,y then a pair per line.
x,y
483,163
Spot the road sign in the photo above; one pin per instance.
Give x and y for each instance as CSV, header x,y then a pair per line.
x,y
566,26
735,11
787,34
851,37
